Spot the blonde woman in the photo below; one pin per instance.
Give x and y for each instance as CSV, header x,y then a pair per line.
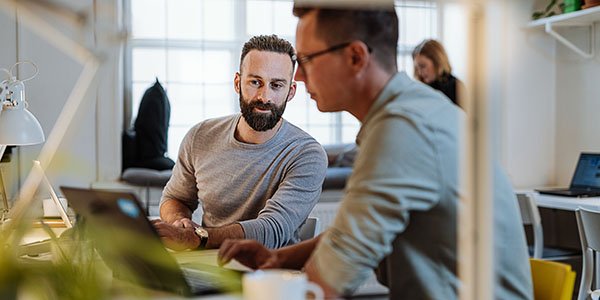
x,y
432,67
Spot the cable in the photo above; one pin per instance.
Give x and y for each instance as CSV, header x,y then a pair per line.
x,y
37,70
6,71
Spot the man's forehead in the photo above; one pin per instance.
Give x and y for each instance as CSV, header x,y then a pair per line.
x,y
256,58
267,65
306,33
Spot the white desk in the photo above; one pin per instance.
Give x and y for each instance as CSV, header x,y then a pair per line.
x,y
570,204
566,203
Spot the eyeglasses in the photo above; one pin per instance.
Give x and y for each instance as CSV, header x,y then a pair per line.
x,y
306,58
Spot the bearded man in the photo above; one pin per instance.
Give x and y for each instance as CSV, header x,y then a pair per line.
x,y
256,175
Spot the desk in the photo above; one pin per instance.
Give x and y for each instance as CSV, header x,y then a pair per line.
x,y
566,203
570,204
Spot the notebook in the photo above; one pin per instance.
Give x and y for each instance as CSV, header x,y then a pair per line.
x,y
585,181
61,210
127,242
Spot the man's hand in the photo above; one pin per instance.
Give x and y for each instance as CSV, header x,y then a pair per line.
x,y
250,253
177,237
184,223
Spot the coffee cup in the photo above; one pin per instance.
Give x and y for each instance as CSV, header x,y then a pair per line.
x,y
278,284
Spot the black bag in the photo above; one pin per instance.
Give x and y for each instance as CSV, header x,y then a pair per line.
x,y
150,134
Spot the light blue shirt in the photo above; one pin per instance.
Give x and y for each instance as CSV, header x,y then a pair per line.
x,y
400,207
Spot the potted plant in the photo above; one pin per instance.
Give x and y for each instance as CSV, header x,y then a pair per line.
x,y
554,7
590,3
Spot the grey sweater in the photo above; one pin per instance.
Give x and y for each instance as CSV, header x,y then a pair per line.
x,y
269,188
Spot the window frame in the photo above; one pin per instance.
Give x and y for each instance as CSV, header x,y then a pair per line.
x,y
336,124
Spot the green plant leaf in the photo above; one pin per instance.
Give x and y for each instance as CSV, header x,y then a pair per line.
x,y
536,15
550,5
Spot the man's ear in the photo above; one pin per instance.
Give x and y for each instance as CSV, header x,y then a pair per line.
x,y
292,91
236,82
359,55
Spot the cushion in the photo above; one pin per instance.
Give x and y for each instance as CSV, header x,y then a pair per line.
x,y
341,155
336,177
346,158
146,177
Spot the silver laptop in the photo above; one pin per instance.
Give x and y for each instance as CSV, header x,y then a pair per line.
x,y
585,181
128,243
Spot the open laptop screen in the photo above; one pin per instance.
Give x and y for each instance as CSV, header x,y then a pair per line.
x,y
587,173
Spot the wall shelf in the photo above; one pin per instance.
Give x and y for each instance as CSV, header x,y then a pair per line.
x,y
580,18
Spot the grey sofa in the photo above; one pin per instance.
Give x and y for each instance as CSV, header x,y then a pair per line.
x,y
340,159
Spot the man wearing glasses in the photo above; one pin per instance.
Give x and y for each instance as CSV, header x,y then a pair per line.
x,y
256,175
399,212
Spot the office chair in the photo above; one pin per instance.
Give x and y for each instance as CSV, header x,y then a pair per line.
x,y
551,280
588,223
309,229
530,215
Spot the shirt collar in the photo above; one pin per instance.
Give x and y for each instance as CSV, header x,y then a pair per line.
x,y
389,92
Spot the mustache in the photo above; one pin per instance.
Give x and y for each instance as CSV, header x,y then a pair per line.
x,y
262,105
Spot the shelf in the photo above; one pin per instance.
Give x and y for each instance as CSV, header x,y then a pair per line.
x,y
584,17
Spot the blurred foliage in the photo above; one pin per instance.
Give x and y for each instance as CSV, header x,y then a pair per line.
x,y
551,9
75,270
71,273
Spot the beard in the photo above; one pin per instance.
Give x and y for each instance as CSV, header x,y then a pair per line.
x,y
261,121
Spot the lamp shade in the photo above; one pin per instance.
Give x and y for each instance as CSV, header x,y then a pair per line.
x,y
18,126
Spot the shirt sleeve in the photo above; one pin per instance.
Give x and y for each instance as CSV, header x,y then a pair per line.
x,y
395,173
296,195
182,184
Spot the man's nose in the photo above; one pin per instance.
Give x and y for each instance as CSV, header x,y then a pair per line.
x,y
300,76
264,95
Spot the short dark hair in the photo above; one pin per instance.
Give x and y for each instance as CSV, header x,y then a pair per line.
x,y
271,43
377,27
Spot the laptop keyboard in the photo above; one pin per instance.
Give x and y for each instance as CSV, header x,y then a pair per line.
x,y
205,279
587,193
199,282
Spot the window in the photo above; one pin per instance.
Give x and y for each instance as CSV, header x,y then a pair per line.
x,y
193,48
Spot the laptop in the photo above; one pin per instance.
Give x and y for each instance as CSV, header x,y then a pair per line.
x,y
116,224
585,181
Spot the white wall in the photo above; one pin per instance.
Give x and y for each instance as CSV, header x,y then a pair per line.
x,y
529,110
552,101
521,74
90,148
547,98
8,33
577,103
8,55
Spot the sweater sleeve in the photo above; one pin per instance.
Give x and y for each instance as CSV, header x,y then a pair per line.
x,y
277,223
182,184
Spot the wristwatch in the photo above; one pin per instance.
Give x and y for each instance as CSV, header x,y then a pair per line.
x,y
203,235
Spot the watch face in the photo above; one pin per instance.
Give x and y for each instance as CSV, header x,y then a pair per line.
x,y
201,232
203,235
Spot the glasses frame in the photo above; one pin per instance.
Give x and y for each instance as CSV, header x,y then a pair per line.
x,y
308,57
304,59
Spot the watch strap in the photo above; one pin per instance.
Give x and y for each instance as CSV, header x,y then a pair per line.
x,y
203,235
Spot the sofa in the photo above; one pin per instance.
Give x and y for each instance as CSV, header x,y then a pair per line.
x,y
340,159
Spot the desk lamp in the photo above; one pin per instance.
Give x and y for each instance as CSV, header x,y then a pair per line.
x,y
18,126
